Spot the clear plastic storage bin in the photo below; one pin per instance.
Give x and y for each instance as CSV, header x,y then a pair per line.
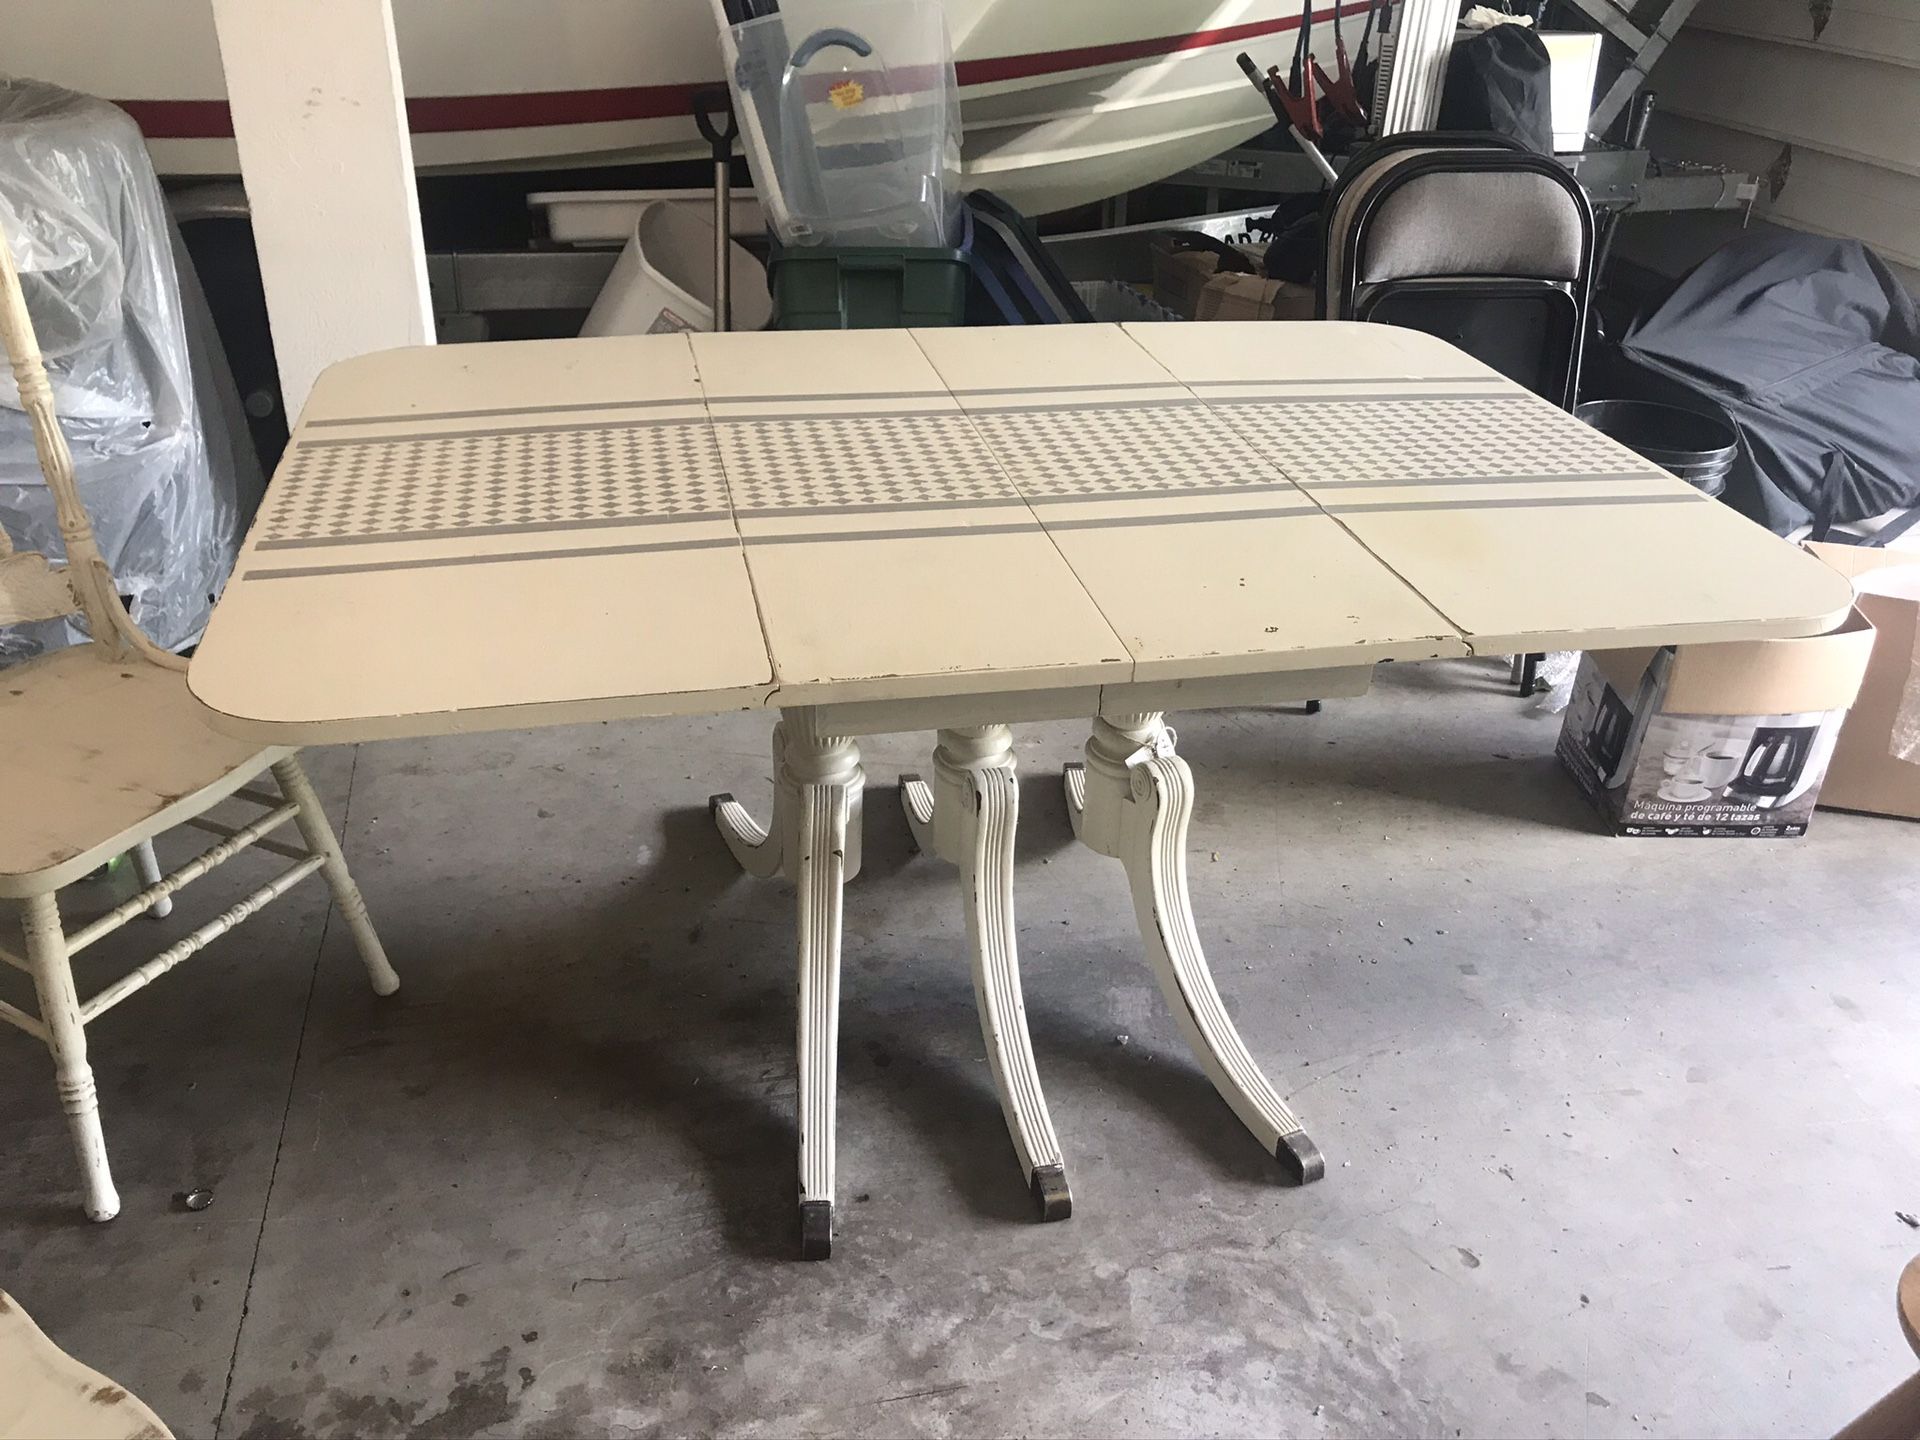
x,y
850,119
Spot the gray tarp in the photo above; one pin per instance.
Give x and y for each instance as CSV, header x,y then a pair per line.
x,y
1813,347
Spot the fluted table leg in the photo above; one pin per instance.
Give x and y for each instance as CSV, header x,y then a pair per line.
x,y
1132,801
968,816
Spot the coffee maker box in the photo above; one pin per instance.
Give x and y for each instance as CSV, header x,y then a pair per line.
x,y
1712,740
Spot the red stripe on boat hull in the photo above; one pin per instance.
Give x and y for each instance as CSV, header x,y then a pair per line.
x,y
444,114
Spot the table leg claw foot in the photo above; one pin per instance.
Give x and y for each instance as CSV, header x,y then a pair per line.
x,y
755,848
816,1229
916,800
1300,1158
1051,1197
1074,780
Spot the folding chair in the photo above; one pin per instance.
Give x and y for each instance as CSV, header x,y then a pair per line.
x,y
103,748
1471,238
1475,239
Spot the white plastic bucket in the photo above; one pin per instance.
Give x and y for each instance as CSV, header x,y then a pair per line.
x,y
663,280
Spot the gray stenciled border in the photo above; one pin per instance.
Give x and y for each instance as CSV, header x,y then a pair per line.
x,y
1349,397
961,531
588,408
715,422
1511,503
883,507
1145,395
414,437
530,527
709,399
1166,492
443,562
1610,477
930,532
1352,380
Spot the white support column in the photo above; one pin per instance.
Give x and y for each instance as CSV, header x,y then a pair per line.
x,y
320,119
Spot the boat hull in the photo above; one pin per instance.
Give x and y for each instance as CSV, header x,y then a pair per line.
x,y
1062,102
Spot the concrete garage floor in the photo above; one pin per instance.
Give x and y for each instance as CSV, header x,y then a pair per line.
x,y
1615,1129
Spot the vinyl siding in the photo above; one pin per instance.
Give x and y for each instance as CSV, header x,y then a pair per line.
x,y
1828,114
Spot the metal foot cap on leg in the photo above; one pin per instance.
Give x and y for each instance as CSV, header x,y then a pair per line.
x,y
816,1229
1300,1158
1050,1194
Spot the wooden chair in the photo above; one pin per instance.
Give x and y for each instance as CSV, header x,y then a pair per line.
x,y
1897,1414
101,749
45,1391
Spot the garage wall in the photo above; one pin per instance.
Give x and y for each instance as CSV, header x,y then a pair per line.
x,y
1819,97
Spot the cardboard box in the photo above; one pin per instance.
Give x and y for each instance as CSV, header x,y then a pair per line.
x,y
1248,297
1864,773
1712,740
1178,276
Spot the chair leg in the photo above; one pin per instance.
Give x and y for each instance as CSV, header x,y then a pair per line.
x,y
147,866
67,1040
1527,673
320,840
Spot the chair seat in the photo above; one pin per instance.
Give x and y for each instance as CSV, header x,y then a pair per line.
x,y
98,754
45,1391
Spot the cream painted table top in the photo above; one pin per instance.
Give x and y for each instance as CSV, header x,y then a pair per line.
x,y
506,535
888,530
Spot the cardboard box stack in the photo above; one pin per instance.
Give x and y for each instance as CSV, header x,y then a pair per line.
x,y
1178,276
1248,297
1747,738
1190,282
1712,740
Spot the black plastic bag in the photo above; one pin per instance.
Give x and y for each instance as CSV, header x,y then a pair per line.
x,y
1295,239
1498,81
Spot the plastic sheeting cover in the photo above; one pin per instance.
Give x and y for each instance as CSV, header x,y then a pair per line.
x,y
158,464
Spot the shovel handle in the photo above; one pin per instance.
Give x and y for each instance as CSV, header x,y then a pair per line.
x,y
708,105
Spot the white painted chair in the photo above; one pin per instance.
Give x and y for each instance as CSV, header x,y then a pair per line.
x,y
45,1391
1897,1414
101,749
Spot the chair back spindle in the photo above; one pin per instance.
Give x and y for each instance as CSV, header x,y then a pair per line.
x,y
27,585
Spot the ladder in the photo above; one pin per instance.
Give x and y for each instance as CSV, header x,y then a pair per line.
x,y
1647,46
